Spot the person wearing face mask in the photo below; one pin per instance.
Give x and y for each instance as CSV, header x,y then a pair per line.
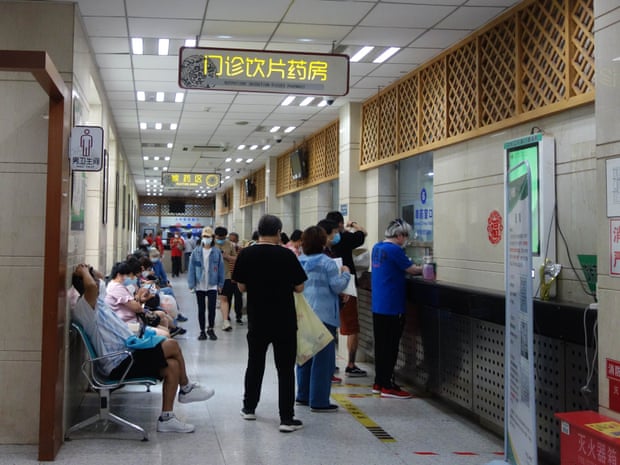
x,y
389,268
229,255
177,247
206,278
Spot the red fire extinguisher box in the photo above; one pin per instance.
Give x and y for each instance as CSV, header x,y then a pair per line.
x,y
588,438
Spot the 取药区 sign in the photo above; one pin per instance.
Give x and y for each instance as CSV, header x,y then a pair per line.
x,y
263,71
192,180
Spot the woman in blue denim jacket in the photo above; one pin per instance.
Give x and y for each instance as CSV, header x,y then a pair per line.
x,y
325,282
206,277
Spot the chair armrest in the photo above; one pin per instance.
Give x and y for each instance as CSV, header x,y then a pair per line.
x,y
89,366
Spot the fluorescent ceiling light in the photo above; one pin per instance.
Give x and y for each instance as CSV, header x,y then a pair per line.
x,y
254,147
361,53
249,160
173,126
179,96
227,177
227,170
275,129
266,147
306,101
163,47
385,55
239,147
289,129
159,96
156,158
142,125
146,158
190,42
169,145
288,100
167,158
137,45
322,103
238,160
158,126
156,168
165,168
141,96
228,160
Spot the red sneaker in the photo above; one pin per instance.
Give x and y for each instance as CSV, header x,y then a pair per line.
x,y
336,380
395,393
376,389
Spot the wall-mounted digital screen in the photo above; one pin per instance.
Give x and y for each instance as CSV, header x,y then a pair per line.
x,y
528,153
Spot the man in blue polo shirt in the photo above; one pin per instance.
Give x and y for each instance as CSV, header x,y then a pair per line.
x,y
389,268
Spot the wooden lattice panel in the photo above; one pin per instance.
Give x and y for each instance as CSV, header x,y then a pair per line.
x,y
462,90
229,195
148,206
535,60
433,97
582,47
543,67
370,132
194,206
388,141
258,178
408,114
332,150
323,161
497,73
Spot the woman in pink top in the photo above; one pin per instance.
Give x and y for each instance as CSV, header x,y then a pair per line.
x,y
295,242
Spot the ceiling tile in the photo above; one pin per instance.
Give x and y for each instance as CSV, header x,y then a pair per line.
x,y
101,26
389,37
406,15
271,11
109,45
470,18
440,38
107,60
100,8
327,12
166,9
164,28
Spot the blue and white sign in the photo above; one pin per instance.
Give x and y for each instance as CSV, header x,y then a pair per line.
x,y
423,217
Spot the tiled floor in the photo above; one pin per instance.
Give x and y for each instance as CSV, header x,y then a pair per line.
x,y
366,429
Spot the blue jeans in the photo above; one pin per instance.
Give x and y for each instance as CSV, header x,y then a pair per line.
x,y
314,378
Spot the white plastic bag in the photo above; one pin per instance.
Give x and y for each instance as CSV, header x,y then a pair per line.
x,y
312,335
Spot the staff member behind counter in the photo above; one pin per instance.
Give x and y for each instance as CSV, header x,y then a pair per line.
x,y
389,268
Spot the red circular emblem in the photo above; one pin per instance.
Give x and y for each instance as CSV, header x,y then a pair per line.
x,y
495,227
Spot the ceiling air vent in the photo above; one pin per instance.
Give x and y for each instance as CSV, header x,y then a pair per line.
x,y
210,148
154,145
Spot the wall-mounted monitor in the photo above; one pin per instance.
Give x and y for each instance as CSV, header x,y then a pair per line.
x,y
299,164
250,187
176,206
539,152
225,199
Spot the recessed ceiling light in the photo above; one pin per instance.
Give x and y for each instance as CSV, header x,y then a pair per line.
x,y
163,46
178,97
156,168
190,42
227,177
167,158
137,45
228,160
141,96
173,126
159,96
165,168
158,126
275,129
241,147
145,158
288,100
289,129
227,170
238,160
361,53
385,55
254,147
322,103
249,160
266,147
306,101
143,126
156,158
169,145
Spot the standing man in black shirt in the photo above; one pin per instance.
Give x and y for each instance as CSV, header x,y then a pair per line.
x,y
351,237
270,273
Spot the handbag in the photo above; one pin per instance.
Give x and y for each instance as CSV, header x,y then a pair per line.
x,y
148,340
312,335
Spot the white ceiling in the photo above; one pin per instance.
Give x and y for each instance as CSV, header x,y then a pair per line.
x,y
423,28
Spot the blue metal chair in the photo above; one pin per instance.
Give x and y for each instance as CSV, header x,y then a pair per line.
x,y
104,386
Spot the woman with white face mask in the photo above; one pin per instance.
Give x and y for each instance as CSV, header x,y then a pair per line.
x,y
206,278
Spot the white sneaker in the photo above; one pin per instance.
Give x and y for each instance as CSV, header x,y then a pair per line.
x,y
174,425
196,394
226,326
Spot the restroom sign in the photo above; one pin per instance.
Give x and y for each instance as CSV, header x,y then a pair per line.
x,y
86,148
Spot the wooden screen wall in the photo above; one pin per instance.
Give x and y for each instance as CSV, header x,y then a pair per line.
x,y
323,161
535,60
194,206
229,194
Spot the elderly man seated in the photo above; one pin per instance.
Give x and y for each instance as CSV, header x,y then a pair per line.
x,y
163,361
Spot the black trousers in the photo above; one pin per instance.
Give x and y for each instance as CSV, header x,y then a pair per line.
x,y
238,296
284,352
176,265
387,330
211,298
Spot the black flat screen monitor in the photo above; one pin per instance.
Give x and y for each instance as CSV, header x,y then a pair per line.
x,y
299,164
176,206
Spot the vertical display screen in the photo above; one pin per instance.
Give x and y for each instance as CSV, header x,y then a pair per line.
x,y
529,153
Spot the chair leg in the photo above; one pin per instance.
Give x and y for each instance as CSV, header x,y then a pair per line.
x,y
83,424
122,421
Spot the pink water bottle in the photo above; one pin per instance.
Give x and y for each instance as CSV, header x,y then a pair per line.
x,y
428,268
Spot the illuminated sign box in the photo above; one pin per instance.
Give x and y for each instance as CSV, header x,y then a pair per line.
x,y
263,71
191,180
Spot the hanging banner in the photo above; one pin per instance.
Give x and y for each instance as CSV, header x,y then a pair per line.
x,y
263,71
520,408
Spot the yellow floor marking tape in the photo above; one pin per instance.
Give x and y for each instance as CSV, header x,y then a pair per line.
x,y
360,416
